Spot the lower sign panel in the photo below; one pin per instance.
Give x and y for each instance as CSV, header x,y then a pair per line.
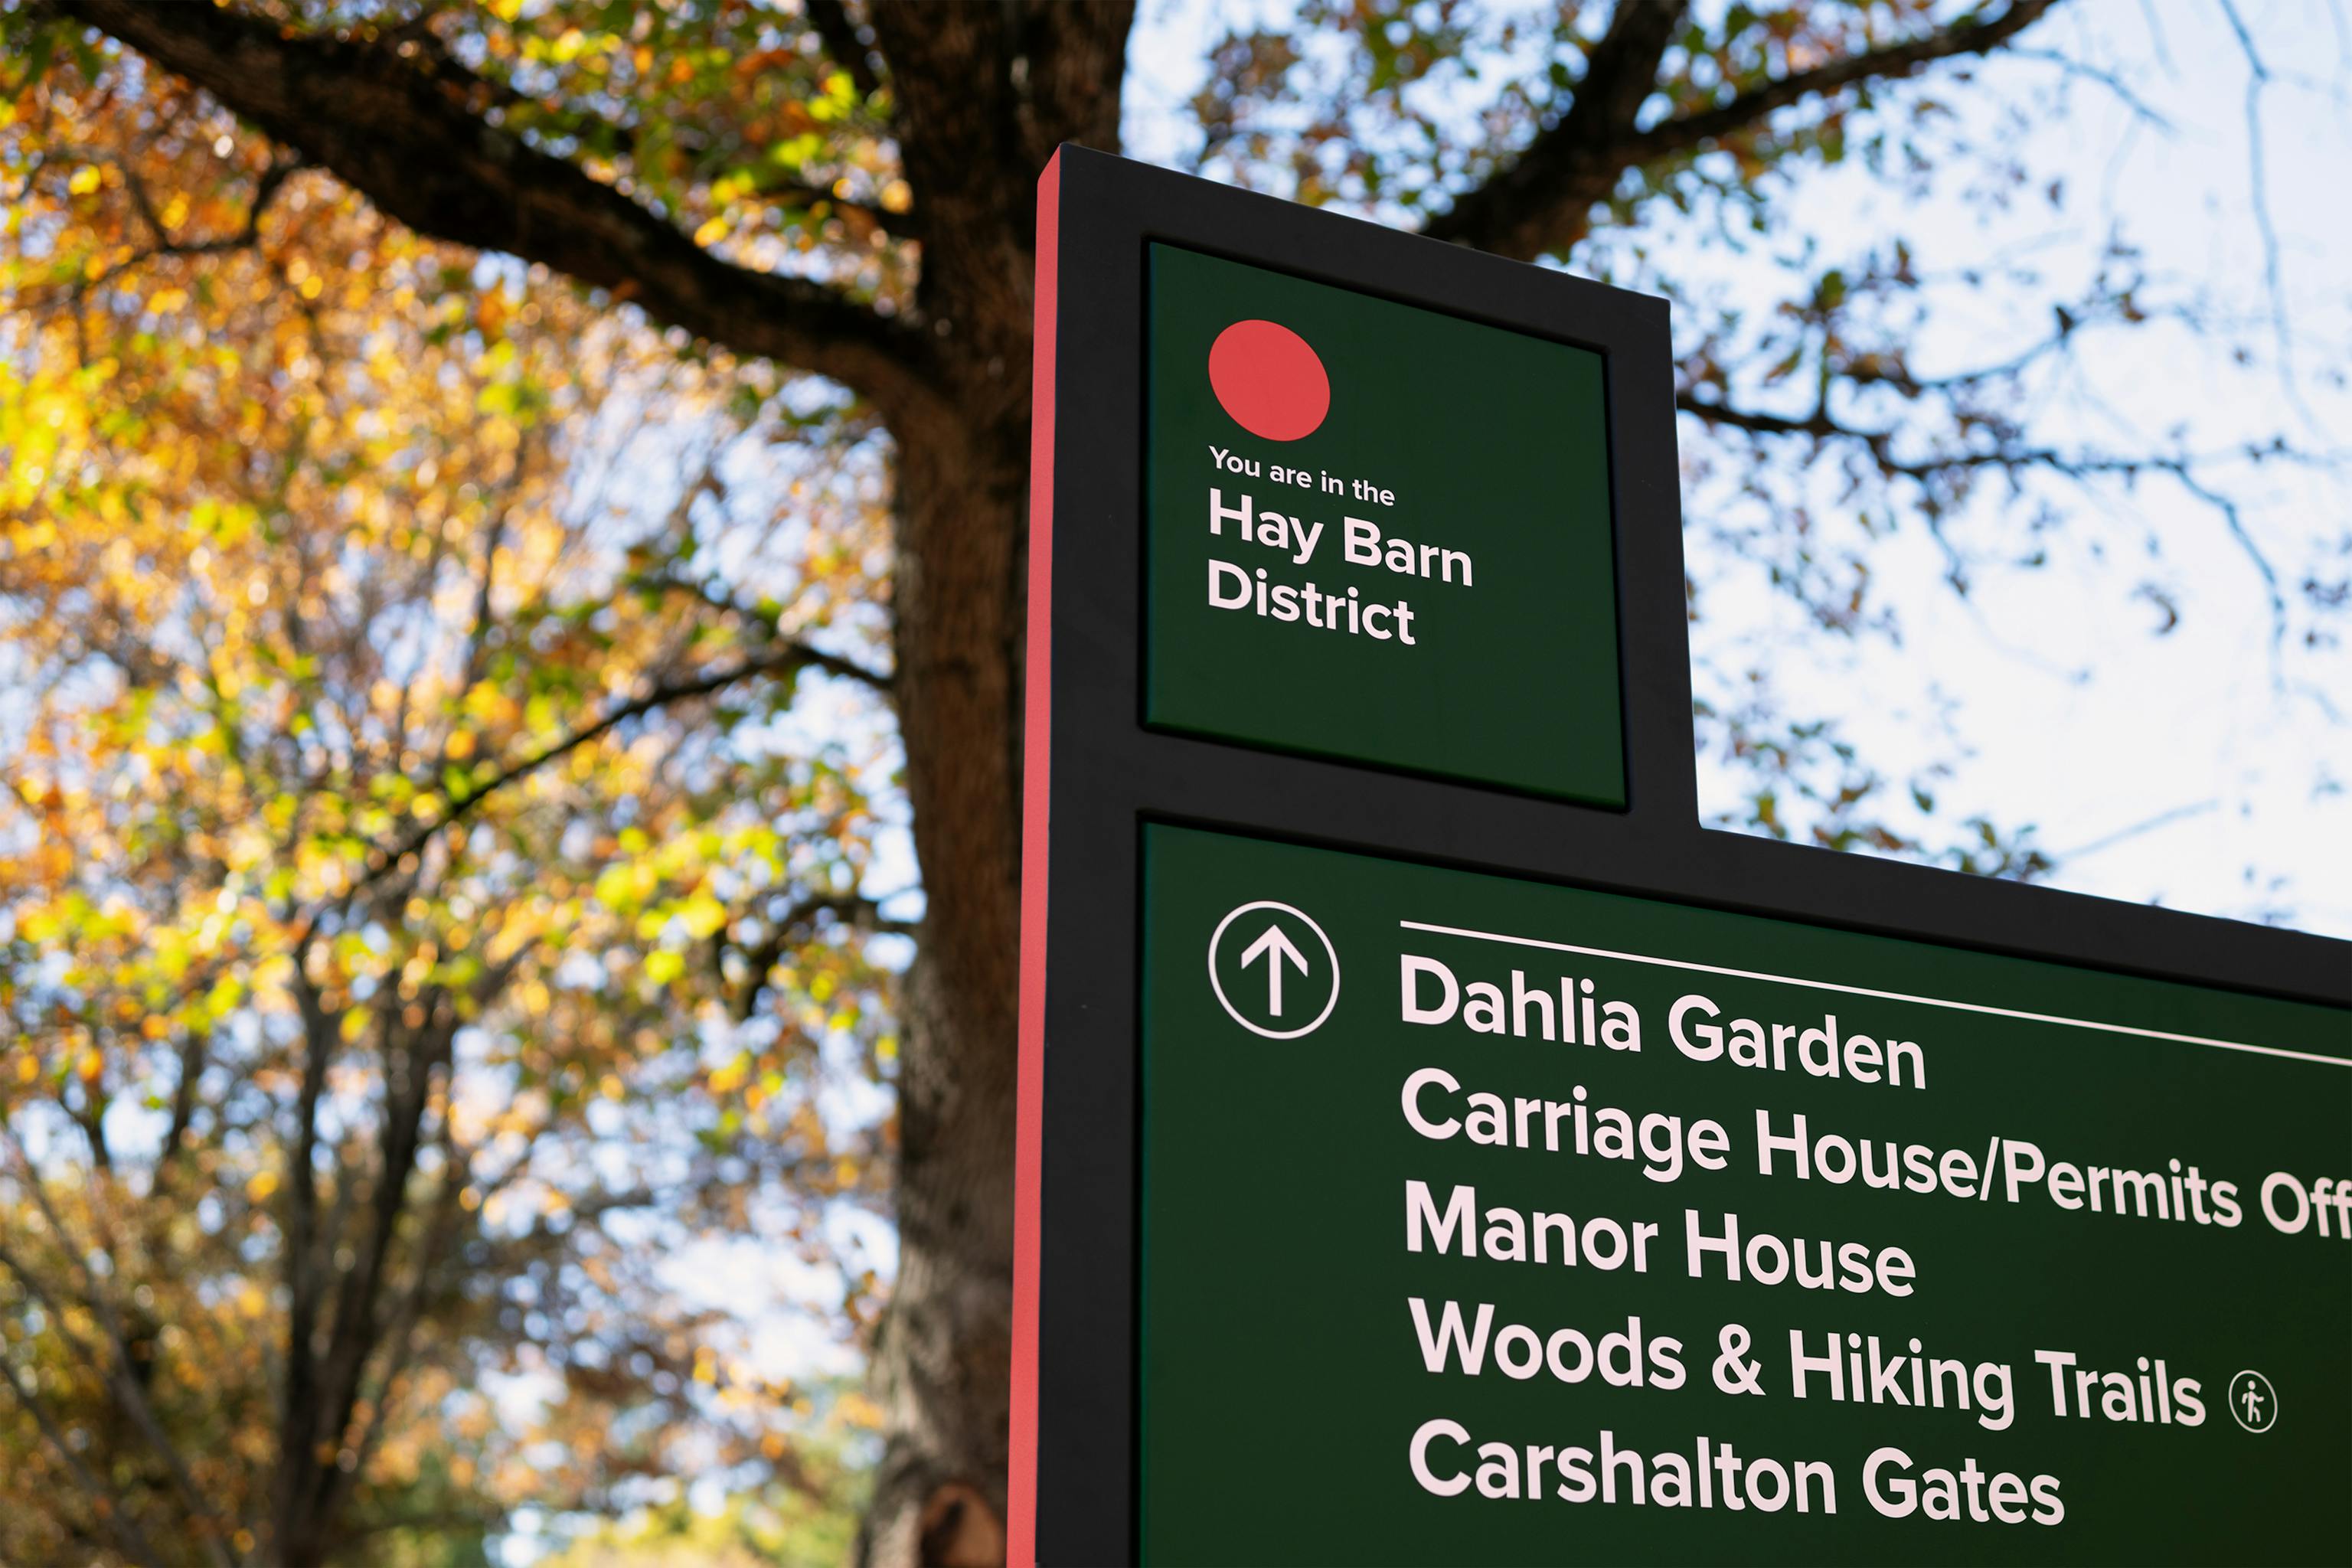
x,y
1494,1221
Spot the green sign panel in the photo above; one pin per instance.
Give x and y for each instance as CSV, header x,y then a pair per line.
x,y
1377,532
1487,1220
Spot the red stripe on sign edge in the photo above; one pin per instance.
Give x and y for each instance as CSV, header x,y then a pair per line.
x,y
1028,1150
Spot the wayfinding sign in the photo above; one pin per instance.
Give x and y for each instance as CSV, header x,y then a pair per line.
x,y
1435,1147
1366,523
1716,1236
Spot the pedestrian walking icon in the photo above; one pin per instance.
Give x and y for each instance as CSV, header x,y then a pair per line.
x,y
1274,971
2253,1403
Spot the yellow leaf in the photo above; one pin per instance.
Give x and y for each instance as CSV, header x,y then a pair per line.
x,y
665,966
704,916
85,180
263,1183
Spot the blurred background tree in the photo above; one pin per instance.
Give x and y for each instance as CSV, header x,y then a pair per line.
x,y
510,572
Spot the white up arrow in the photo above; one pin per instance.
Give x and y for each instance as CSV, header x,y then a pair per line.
x,y
1276,947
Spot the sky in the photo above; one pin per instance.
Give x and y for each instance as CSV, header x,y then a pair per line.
x,y
2197,769
2203,768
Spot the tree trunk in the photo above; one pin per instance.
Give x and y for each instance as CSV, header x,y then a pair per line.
x,y
941,1362
985,94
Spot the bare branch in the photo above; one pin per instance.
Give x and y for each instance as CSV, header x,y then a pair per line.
x,y
2015,460
2123,91
2235,519
2258,80
789,659
1540,202
2149,824
1974,35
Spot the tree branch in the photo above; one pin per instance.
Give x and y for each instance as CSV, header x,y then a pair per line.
x,y
120,1372
798,924
1972,36
1540,201
789,659
103,1501
183,1102
265,191
411,1059
2015,460
2258,79
571,121
298,1399
905,224
420,150
109,1506
831,20
400,1331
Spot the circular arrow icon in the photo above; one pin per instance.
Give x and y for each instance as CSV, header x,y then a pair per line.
x,y
1284,969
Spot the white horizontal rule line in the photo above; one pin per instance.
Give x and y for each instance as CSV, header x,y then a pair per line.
x,y
1882,995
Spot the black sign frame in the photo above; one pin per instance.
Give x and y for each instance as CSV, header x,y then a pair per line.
x,y
1094,775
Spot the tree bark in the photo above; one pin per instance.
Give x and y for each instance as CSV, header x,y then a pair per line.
x,y
941,1358
985,94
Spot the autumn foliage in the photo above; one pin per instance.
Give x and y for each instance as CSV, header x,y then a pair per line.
x,y
420,924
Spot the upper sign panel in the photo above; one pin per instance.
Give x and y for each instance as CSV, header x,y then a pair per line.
x,y
1378,534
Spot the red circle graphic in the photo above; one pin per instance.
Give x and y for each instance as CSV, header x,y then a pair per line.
x,y
1266,378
